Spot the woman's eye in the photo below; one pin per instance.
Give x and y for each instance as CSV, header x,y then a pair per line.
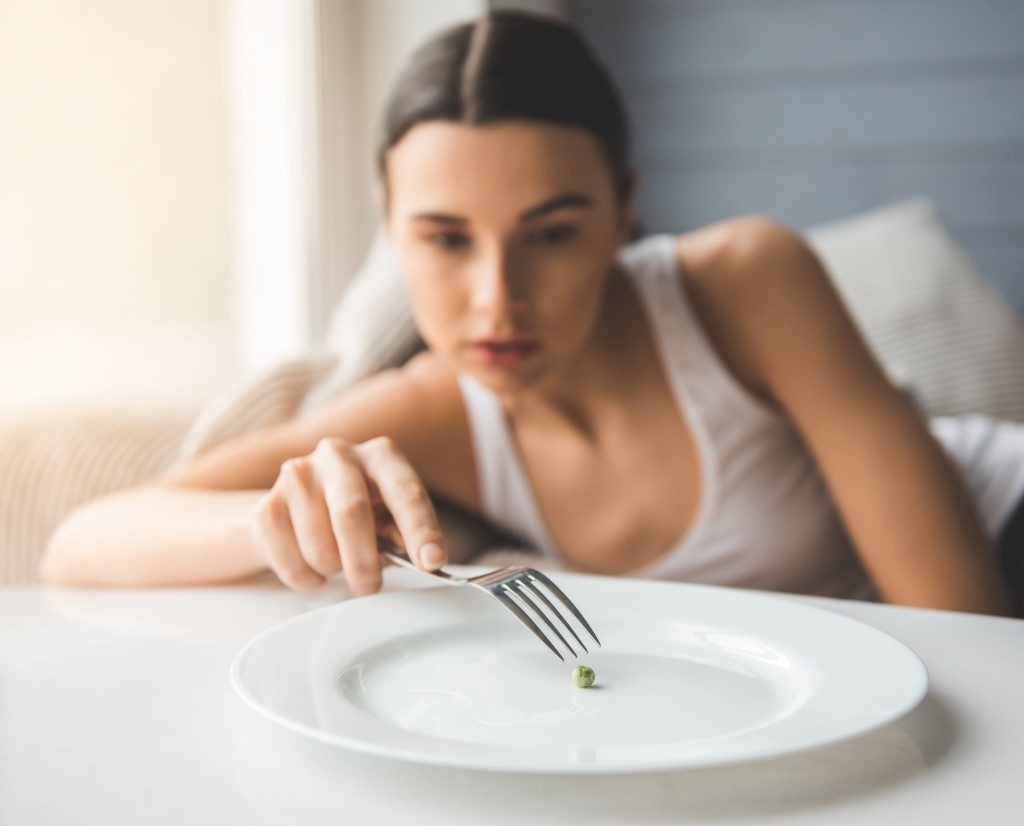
x,y
449,240
554,235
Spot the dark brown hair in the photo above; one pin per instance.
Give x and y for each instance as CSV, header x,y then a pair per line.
x,y
510,66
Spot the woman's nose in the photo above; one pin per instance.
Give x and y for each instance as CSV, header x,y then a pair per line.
x,y
496,288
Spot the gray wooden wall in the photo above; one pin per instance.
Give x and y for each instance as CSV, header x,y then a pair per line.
x,y
811,110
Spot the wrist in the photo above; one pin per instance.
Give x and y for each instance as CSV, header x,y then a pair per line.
x,y
243,536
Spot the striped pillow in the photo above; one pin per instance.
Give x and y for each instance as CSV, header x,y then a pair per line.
x,y
53,461
938,327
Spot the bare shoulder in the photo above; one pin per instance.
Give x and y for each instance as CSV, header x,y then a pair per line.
x,y
729,268
741,249
418,405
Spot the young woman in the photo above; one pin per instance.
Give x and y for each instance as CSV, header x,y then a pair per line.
x,y
696,406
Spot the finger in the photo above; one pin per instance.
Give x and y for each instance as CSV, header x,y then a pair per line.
x,y
311,520
276,538
407,500
351,516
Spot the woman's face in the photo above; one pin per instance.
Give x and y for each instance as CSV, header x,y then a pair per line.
x,y
504,231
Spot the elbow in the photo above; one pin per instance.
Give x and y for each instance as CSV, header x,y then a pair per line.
x,y
56,564
50,572
991,603
68,558
80,550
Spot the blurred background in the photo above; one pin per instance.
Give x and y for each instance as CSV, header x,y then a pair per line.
x,y
166,171
185,184
185,195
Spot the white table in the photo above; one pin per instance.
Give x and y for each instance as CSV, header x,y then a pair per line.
x,y
116,708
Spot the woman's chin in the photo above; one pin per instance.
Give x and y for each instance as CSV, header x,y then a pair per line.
x,y
504,380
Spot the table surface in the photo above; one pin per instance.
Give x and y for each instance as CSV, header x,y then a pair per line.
x,y
116,708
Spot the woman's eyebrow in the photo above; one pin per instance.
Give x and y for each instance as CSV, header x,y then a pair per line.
x,y
566,200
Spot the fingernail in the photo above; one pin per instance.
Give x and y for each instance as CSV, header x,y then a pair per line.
x,y
432,555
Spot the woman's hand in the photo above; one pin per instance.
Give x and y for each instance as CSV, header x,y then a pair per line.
x,y
325,510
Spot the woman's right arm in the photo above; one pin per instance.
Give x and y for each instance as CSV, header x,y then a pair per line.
x,y
155,535
239,508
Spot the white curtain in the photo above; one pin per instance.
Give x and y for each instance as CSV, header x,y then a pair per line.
x,y
306,85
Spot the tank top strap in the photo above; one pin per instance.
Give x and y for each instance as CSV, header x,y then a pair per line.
x,y
692,361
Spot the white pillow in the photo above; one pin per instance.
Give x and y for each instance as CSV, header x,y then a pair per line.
x,y
937,326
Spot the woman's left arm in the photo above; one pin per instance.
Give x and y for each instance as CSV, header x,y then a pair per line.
x,y
901,499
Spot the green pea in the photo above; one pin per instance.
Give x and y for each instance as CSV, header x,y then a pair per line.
x,y
583,676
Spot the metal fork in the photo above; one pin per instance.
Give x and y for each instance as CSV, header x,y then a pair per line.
x,y
502,584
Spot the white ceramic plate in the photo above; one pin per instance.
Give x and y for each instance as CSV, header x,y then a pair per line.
x,y
687,676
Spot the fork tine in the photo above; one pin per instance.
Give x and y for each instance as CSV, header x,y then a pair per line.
x,y
521,593
525,582
508,602
565,600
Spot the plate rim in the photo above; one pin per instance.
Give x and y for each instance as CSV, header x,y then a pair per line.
x,y
632,766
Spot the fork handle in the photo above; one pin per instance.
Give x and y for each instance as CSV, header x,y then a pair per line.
x,y
393,552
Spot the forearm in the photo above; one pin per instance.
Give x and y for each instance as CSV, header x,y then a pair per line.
x,y
155,536
912,518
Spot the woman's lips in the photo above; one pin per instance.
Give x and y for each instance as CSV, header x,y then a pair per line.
x,y
505,353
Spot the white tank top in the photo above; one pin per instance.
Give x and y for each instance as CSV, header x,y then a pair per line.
x,y
764,517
